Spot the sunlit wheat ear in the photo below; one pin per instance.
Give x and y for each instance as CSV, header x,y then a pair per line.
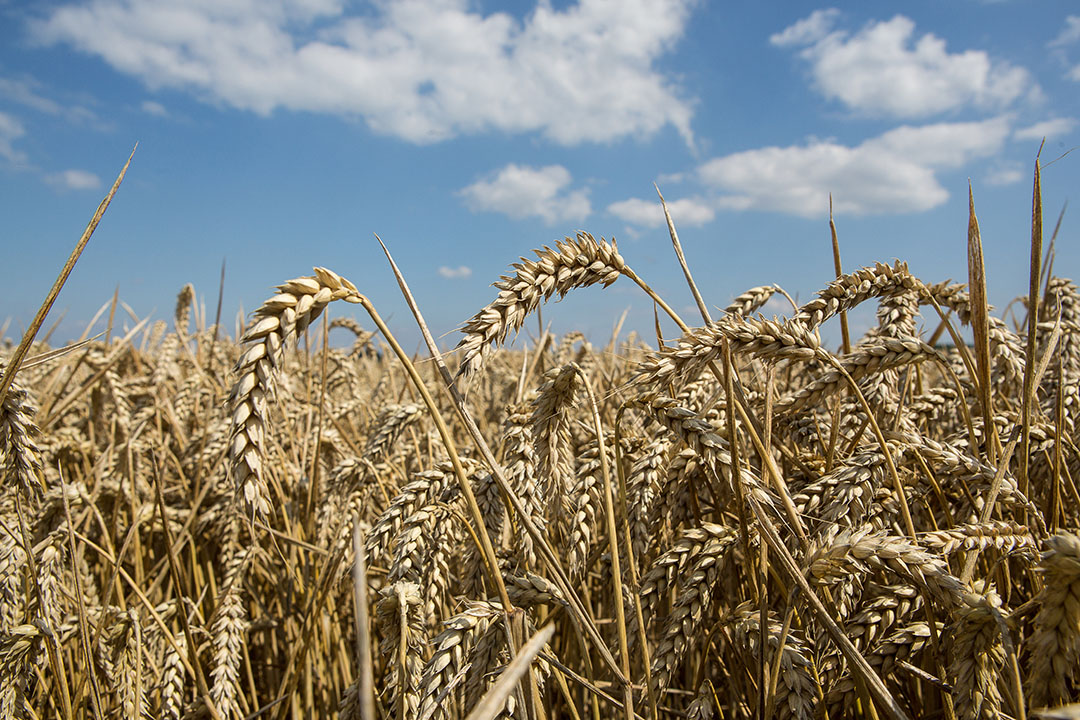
x,y
844,496
583,500
899,646
391,422
875,356
849,290
643,484
1006,348
1064,293
424,490
363,337
796,690
19,650
766,339
977,655
551,437
751,301
683,624
18,442
953,462
173,681
276,324
882,608
1004,535
131,673
183,307
1055,645
673,566
701,436
573,263
228,627
12,563
451,647
859,551
520,463
402,632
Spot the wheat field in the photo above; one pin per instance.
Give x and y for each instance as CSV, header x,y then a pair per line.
x,y
740,522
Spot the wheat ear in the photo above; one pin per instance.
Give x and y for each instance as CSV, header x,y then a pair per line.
x,y
977,655
573,263
276,324
1055,645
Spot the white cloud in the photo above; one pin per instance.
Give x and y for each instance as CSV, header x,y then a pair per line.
x,y
1069,34
75,180
28,92
10,131
808,31
690,212
884,70
1046,129
460,272
670,178
154,108
421,70
892,173
521,192
1005,176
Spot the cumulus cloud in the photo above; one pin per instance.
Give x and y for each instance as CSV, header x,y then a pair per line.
x,y
892,173
1046,129
883,69
420,70
10,131
460,272
690,212
522,192
74,180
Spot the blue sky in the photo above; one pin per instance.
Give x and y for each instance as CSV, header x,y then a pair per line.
x,y
280,134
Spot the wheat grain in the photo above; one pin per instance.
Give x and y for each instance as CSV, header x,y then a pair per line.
x,y
551,437
850,290
399,619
